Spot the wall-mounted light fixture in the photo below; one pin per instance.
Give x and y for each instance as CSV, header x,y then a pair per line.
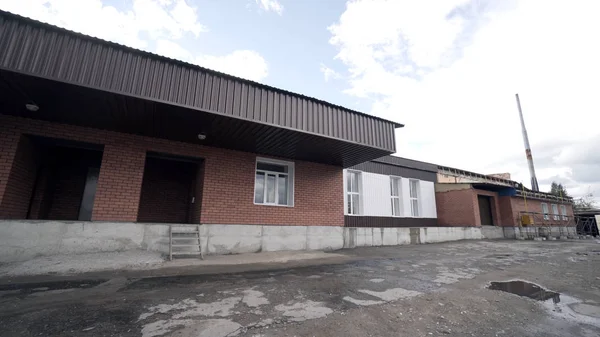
x,y
32,107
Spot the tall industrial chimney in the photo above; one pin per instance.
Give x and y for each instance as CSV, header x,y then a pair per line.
x,y
534,183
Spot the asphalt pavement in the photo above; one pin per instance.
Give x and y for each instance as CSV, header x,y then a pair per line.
x,y
417,290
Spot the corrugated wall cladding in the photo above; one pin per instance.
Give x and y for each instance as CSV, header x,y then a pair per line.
x,y
38,49
392,170
382,221
409,163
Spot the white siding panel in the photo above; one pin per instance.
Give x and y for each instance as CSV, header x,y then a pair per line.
x,y
376,194
427,199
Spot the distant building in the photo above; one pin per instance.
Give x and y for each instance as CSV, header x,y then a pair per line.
x,y
505,175
466,198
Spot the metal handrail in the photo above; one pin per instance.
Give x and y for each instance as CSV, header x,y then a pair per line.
x,y
543,224
539,219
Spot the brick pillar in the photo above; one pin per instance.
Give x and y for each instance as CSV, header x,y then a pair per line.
x,y
19,161
120,183
506,211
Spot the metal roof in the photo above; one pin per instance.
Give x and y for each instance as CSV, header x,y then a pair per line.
x,y
409,163
32,48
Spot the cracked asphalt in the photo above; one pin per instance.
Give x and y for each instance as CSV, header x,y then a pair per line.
x,y
417,290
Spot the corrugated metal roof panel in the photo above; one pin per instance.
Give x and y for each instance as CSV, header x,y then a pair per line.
x,y
38,49
409,163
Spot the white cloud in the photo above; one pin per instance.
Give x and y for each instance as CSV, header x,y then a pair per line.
x,y
173,50
242,63
152,25
247,64
329,73
270,5
158,18
449,70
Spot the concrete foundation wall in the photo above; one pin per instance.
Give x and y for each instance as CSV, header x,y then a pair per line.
x,y
549,231
492,232
22,239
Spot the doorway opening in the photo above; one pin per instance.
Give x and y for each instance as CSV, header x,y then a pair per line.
x,y
485,210
171,189
66,175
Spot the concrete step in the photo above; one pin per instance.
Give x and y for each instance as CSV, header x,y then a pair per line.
x,y
186,253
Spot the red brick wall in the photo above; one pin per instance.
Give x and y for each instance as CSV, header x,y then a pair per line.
x,y
228,187
119,182
461,207
535,206
18,185
8,148
456,208
506,213
229,194
166,191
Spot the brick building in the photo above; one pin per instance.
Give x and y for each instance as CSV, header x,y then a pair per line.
x,y
92,130
466,198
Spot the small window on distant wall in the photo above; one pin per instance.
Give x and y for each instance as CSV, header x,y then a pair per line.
x,y
563,211
396,192
414,198
556,216
273,182
353,192
545,211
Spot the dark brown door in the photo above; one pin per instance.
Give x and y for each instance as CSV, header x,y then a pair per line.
x,y
485,210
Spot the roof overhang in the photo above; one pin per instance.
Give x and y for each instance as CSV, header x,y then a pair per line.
x,y
80,80
494,188
408,163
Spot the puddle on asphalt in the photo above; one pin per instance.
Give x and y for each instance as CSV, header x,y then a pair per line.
x,y
569,308
526,289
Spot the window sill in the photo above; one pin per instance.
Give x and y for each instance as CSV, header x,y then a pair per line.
x,y
274,205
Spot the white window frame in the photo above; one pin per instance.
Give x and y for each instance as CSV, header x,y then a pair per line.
x,y
398,181
289,174
349,193
545,211
563,211
417,198
555,213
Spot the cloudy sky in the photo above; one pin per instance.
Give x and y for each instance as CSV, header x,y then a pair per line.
x,y
448,69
